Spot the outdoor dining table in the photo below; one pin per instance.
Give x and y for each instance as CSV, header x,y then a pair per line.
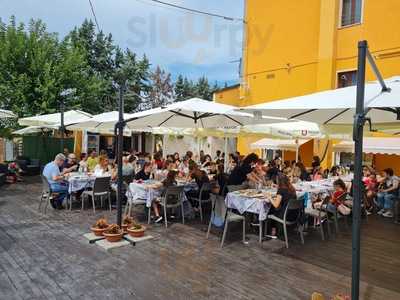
x,y
78,182
253,204
148,191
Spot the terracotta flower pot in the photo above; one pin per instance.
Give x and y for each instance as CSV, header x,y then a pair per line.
x,y
98,231
137,232
125,227
113,237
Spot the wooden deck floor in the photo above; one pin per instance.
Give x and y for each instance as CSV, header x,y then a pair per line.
x,y
46,257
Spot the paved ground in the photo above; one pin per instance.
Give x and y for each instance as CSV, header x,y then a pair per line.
x,y
46,257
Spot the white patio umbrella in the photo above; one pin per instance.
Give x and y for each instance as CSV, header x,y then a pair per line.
x,y
70,117
280,144
372,145
35,129
195,113
337,107
6,114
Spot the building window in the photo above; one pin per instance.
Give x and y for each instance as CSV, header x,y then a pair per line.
x,y
347,79
351,12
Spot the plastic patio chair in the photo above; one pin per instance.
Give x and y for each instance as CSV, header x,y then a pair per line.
x,y
205,188
219,210
100,189
321,215
293,205
173,198
131,203
46,195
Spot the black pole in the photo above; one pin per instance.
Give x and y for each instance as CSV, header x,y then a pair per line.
x,y
359,121
62,128
120,142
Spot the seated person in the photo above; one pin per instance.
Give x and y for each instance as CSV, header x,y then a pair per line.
x,y
183,168
127,167
207,161
221,178
83,166
318,174
371,189
201,178
56,180
167,182
177,158
387,193
70,162
300,172
257,176
285,192
145,172
92,161
212,169
103,169
239,174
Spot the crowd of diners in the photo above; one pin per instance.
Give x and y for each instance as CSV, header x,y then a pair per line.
x,y
381,189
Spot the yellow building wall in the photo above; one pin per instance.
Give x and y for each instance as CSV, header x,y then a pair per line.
x,y
383,161
243,145
293,48
230,96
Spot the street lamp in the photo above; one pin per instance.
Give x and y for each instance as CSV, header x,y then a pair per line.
x,y
64,94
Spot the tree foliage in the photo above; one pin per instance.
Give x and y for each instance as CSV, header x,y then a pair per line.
x,y
36,66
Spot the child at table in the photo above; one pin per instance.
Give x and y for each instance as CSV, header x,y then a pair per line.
x,y
163,186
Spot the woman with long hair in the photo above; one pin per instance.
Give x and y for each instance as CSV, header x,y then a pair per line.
x,y
285,193
239,174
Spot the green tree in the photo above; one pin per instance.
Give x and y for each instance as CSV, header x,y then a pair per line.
x,y
162,90
179,89
202,89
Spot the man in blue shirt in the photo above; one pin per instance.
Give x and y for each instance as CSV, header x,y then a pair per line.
x,y
56,180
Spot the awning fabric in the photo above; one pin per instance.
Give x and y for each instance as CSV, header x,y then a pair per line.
x,y
278,144
372,146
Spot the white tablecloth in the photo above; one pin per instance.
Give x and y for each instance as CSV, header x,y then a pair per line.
x,y
244,204
257,206
77,183
144,191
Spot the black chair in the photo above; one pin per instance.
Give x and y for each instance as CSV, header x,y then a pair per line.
x,y
204,191
173,198
293,205
100,189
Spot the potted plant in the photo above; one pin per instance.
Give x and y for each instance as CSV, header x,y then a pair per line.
x,y
100,226
113,233
126,223
136,230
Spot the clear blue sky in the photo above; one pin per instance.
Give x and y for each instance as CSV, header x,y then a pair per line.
x,y
180,42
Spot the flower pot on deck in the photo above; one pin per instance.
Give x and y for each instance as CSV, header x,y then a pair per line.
x,y
136,232
113,237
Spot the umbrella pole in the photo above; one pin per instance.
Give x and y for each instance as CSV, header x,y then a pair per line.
x,y
359,121
62,127
152,145
164,146
226,155
120,125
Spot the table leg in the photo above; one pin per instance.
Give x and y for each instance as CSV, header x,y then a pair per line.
x,y
260,232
